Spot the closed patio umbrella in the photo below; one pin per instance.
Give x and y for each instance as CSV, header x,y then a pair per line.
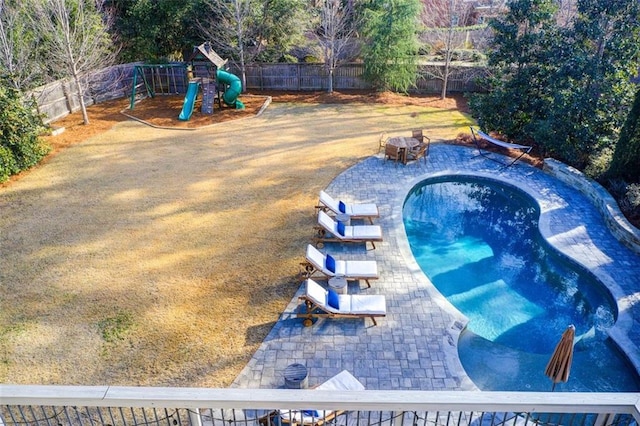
x,y
560,363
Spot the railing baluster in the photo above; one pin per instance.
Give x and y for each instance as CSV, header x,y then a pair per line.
x,y
133,416
65,412
45,416
24,418
121,411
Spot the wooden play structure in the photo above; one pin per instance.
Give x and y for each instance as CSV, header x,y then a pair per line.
x,y
204,65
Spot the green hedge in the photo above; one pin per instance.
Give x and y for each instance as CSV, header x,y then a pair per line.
x,y
20,147
626,157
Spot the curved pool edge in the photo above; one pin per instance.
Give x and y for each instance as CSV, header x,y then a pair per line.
x,y
619,333
617,223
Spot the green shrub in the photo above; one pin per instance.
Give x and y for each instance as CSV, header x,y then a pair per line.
x,y
599,163
628,198
626,157
20,147
288,59
7,164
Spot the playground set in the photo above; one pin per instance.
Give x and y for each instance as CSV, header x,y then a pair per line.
x,y
204,70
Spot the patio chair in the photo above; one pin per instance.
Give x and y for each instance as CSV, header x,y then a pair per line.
x,y
383,141
392,152
354,210
420,151
343,381
422,138
418,134
321,303
325,265
330,230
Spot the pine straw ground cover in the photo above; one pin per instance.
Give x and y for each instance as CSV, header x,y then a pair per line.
x,y
143,256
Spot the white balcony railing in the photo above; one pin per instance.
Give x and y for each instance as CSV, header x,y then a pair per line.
x,y
105,405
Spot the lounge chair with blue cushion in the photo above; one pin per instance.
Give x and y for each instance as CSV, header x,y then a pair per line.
x,y
326,303
354,210
343,381
324,264
330,230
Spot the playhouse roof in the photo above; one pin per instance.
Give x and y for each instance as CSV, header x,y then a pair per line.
x,y
205,52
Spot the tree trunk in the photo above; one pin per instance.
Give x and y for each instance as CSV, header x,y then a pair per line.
x,y
445,81
243,67
83,107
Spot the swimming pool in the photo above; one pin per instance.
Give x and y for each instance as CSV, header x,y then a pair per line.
x,y
478,242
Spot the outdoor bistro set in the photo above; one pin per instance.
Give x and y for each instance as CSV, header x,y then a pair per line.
x,y
404,149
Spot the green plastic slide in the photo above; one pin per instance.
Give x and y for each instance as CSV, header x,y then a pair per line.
x,y
230,96
189,101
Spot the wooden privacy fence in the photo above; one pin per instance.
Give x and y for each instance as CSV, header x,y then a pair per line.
x,y
303,76
58,99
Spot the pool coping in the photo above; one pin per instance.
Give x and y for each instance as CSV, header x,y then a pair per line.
x,y
621,228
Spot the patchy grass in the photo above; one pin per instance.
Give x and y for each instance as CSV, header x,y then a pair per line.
x,y
115,328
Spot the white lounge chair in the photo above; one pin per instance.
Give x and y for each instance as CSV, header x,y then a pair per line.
x,y
322,303
325,264
330,230
355,211
343,381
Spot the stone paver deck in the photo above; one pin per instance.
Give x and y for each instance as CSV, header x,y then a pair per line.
x,y
414,346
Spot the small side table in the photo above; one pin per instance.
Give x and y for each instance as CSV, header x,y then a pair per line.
x,y
344,218
295,376
338,284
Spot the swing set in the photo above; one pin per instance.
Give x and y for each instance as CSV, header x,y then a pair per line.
x,y
158,79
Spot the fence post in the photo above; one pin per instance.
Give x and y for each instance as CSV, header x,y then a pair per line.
x,y
194,417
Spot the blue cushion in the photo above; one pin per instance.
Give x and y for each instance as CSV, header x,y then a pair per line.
x,y
341,228
330,263
342,207
332,299
311,413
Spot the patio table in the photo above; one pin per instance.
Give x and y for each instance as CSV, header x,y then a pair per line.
x,y
403,144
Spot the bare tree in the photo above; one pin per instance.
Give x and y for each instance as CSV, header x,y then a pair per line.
x,y
335,35
77,40
228,29
18,46
446,30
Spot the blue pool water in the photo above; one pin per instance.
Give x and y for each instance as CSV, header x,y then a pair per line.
x,y
478,242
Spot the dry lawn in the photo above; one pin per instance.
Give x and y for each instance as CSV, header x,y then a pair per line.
x,y
143,256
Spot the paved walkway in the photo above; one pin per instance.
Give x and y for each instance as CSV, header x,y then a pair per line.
x,y
414,346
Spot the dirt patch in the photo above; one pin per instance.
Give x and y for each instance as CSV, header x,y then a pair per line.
x,y
163,111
